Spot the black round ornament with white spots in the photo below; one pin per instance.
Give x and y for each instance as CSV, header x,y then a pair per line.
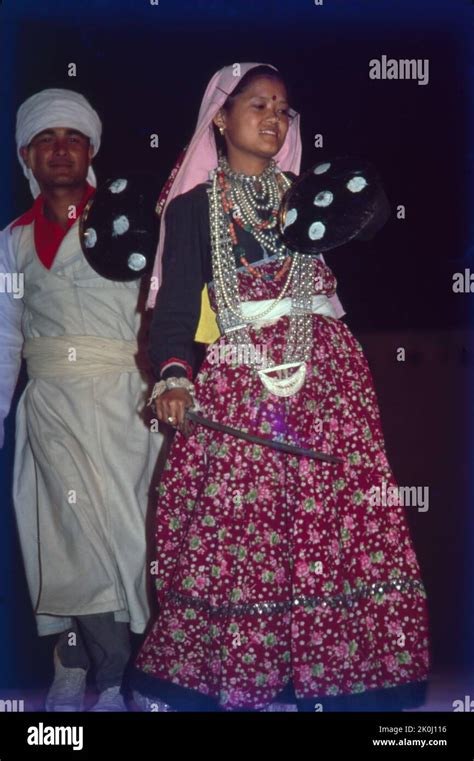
x,y
119,226
333,202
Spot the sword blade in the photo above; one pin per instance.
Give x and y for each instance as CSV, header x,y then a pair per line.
x,y
280,445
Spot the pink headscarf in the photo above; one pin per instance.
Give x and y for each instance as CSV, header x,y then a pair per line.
x,y
201,157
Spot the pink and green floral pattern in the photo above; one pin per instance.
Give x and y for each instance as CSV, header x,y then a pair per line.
x,y
271,566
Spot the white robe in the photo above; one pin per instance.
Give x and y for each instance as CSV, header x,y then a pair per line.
x,y
84,457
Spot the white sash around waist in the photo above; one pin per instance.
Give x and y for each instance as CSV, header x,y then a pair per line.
x,y
321,305
75,356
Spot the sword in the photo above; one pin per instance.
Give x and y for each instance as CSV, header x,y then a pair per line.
x,y
280,445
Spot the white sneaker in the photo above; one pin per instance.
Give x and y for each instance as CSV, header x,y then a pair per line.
x,y
110,700
67,690
146,703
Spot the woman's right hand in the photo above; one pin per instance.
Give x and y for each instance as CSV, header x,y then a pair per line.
x,y
173,404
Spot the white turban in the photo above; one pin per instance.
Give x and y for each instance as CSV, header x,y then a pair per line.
x,y
56,108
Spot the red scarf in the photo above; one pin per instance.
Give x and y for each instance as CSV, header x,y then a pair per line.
x,y
48,234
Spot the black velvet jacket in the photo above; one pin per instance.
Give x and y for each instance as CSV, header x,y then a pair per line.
x,y
187,266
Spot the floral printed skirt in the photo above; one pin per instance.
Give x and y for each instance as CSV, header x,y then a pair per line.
x,y
272,568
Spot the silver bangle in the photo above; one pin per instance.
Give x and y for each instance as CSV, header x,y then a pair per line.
x,y
166,385
180,383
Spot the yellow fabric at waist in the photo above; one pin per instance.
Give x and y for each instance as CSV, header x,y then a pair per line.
x,y
77,356
207,330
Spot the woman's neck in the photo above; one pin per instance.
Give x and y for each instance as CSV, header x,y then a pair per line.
x,y
246,163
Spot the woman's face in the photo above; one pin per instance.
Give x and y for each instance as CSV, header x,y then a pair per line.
x,y
258,121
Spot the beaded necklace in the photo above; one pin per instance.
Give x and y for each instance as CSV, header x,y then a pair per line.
x,y
252,202
259,193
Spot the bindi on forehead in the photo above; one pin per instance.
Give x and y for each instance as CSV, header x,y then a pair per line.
x,y
268,97
265,92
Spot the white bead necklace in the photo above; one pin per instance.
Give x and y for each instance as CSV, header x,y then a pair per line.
x,y
234,324
220,272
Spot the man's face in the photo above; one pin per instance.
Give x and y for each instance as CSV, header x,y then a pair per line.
x,y
59,157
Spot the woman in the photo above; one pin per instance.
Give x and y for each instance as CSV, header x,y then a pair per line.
x,y
276,577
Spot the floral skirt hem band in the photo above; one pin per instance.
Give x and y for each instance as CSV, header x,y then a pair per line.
x,y
392,699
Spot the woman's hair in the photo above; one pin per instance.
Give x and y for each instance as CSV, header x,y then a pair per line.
x,y
246,80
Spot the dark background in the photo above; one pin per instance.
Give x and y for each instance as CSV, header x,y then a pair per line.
x,y
145,70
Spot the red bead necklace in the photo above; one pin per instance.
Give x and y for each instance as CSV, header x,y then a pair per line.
x,y
228,205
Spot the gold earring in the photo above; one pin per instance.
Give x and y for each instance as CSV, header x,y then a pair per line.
x,y
221,130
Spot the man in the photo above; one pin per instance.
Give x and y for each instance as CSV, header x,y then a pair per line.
x,y
83,456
